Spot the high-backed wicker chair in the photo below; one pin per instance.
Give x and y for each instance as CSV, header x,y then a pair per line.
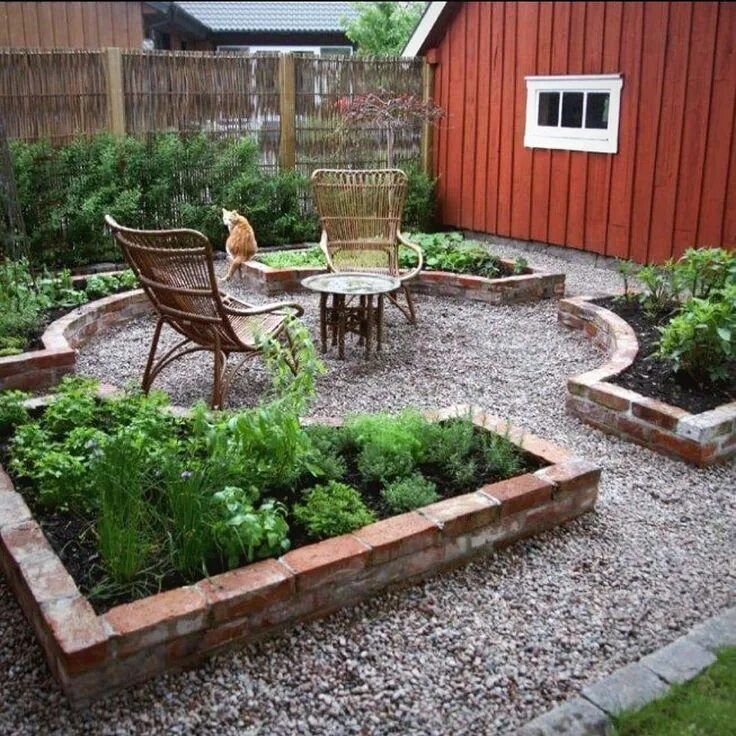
x,y
360,212
175,270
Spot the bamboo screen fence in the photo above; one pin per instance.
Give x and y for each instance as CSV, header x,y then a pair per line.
x,y
287,103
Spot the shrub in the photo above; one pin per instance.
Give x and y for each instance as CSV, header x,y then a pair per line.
x,y
410,493
501,458
699,340
662,288
706,270
332,509
243,532
12,411
420,207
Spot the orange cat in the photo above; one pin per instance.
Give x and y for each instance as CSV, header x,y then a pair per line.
x,y
241,243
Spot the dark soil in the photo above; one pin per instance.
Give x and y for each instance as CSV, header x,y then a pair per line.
x,y
73,536
653,377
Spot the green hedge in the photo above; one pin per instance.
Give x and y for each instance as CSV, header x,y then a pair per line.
x,y
164,181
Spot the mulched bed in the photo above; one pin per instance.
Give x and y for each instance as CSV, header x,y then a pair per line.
x,y
653,377
72,536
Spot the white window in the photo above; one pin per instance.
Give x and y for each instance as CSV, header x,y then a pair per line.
x,y
575,113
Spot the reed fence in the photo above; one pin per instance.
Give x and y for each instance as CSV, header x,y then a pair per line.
x,y
286,102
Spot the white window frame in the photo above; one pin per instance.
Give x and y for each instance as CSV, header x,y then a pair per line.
x,y
573,139
316,50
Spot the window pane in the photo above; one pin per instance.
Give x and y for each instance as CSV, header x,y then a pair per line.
x,y
572,109
549,108
596,111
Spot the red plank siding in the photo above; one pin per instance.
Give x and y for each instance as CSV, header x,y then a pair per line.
x,y
672,183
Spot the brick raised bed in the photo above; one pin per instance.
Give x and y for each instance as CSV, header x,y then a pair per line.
x,y
703,439
530,286
91,655
38,369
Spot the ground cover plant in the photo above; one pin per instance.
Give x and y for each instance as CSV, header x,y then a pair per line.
x,y
29,302
685,320
136,498
705,706
442,252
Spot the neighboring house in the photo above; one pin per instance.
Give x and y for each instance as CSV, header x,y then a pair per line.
x,y
306,27
607,127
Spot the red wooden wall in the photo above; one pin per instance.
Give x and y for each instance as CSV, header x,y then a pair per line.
x,y
672,183
67,25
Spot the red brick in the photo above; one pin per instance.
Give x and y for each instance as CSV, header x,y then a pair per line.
x,y
13,509
517,494
686,449
227,632
328,562
658,413
239,592
548,516
154,619
612,396
632,428
47,579
461,514
77,632
570,476
398,536
543,449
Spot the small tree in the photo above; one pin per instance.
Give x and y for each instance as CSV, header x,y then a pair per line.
x,y
382,28
389,112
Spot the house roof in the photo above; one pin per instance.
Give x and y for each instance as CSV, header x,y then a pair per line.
x,y
430,27
270,16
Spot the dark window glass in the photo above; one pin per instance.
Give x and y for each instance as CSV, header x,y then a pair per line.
x,y
572,109
549,108
596,111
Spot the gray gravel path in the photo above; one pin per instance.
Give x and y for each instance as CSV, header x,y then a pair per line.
x,y
480,650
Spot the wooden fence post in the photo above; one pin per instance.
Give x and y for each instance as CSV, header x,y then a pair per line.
x,y
287,108
115,93
427,145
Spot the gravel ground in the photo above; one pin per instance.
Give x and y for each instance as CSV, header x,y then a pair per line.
x,y
480,650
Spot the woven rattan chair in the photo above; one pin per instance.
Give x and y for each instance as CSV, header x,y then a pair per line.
x,y
360,213
175,270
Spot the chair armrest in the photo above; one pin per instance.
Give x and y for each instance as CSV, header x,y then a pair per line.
x,y
326,251
420,256
250,311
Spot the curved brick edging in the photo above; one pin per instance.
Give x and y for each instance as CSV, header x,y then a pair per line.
x,y
91,656
532,285
38,369
703,439
635,685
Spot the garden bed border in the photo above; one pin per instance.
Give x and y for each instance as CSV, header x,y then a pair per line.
x,y
532,285
43,368
91,656
703,439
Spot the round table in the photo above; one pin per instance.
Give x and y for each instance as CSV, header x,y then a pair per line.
x,y
345,315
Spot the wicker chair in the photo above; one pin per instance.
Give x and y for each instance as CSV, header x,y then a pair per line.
x,y
175,270
360,213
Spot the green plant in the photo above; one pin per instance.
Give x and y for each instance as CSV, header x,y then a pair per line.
x,y
329,444
662,288
450,446
699,340
520,265
627,270
420,208
382,27
409,493
501,458
706,270
244,532
332,509
293,258
449,252
13,413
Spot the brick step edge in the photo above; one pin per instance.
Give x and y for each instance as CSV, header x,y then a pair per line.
x,y
92,656
40,369
530,286
635,685
702,439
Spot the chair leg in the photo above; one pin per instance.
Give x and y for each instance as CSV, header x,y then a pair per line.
x,y
147,374
220,360
410,304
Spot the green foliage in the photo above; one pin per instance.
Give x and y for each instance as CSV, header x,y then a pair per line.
x,y
293,258
382,28
662,288
705,706
420,208
389,446
450,252
627,270
12,411
706,270
163,181
332,509
410,493
105,284
244,532
328,444
700,339
501,458
520,265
